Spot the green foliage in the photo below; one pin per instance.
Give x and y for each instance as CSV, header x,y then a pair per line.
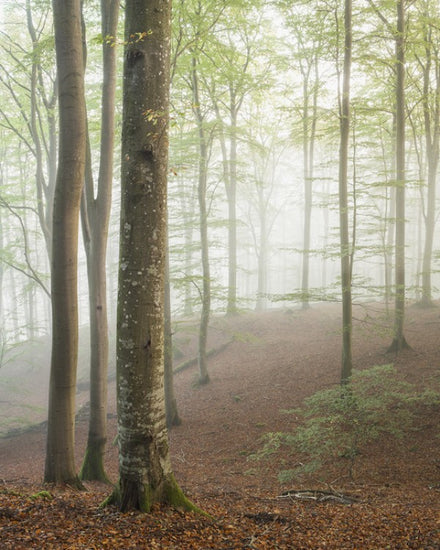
x,y
338,423
45,495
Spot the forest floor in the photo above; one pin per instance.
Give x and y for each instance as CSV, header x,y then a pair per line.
x,y
275,360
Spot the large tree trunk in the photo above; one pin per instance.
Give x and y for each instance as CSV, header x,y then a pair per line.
x,y
346,258
95,220
144,462
60,464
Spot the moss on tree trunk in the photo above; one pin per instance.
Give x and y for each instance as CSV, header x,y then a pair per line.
x,y
132,494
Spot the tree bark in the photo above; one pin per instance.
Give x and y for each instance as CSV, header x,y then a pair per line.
x,y
145,474
231,191
60,463
399,341
172,414
263,251
204,243
309,135
346,258
432,140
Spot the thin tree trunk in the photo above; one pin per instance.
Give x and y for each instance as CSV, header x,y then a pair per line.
x,y
95,220
204,243
232,213
388,254
172,414
346,258
309,133
262,253
432,139
399,341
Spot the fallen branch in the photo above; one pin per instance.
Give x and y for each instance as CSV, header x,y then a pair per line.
x,y
211,353
319,496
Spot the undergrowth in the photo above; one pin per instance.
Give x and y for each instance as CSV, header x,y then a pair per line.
x,y
336,424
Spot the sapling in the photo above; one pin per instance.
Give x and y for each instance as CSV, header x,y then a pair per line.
x,y
338,423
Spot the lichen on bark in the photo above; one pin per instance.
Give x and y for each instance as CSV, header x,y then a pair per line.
x,y
145,474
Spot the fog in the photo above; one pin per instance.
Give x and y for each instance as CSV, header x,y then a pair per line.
x,y
265,67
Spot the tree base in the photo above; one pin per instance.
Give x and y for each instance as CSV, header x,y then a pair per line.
x,y
131,495
173,418
92,468
398,345
72,483
202,381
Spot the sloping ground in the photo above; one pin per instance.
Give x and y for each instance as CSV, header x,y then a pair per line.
x,y
275,360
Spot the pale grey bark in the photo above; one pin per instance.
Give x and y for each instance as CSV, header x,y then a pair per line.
x,y
60,462
145,474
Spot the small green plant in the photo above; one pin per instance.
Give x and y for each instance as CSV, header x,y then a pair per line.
x,y
45,495
338,423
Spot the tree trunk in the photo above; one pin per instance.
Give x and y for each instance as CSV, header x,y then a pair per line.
x,y
399,341
60,464
263,252
309,135
144,462
432,139
172,414
231,189
346,259
204,243
388,253
95,220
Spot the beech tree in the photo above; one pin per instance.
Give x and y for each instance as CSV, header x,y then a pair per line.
x,y
60,462
95,214
145,474
307,27
427,82
346,255
399,340
203,211
234,52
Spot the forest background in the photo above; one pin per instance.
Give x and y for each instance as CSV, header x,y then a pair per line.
x,y
304,151
269,81
254,208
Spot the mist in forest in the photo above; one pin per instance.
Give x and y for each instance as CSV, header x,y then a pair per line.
x,y
266,98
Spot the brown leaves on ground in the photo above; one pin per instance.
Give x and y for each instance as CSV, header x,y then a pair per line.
x,y
277,359
395,520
